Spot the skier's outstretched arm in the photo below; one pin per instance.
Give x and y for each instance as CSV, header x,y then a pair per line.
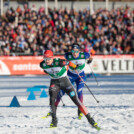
x,y
66,62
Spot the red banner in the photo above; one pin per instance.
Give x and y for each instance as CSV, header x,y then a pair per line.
x,y
21,65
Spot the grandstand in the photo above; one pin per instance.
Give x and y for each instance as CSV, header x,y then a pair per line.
x,y
29,30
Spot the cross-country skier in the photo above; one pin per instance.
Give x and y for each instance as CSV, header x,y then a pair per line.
x,y
59,80
78,58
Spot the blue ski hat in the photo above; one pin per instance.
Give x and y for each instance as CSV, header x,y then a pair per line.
x,y
75,46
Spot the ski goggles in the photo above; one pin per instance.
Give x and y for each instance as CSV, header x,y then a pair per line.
x,y
47,59
73,51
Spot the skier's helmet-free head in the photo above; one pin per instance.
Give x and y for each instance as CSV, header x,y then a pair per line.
x,y
48,54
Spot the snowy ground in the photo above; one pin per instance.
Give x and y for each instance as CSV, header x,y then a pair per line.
x,y
114,113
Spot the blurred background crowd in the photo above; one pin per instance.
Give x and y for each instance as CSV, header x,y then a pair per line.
x,y
28,31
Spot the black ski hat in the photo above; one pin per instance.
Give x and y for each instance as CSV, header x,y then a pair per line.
x,y
76,45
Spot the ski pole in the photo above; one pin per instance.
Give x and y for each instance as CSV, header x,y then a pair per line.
x,y
87,86
94,76
63,102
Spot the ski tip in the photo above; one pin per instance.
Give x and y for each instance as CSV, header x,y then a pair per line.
x,y
79,118
43,117
52,127
98,128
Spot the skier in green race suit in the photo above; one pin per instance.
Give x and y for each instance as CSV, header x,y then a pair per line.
x,y
56,68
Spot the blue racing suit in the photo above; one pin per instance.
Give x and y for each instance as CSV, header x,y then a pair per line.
x,y
73,76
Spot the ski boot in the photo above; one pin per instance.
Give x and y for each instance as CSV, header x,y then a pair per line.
x,y
92,122
53,123
80,114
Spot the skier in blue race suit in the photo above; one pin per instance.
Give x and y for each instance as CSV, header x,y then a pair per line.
x,y
79,58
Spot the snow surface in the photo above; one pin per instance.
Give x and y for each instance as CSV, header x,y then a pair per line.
x,y
114,113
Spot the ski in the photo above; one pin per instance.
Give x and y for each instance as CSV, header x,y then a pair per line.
x,y
44,117
51,127
93,126
98,128
80,116
48,115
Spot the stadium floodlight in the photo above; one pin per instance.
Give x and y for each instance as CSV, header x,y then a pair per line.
x,y
1,3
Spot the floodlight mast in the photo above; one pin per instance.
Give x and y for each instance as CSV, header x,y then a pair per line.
x,y
1,6
46,7
91,7
107,3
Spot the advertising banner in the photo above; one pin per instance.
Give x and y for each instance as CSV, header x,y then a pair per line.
x,y
113,64
25,65
21,65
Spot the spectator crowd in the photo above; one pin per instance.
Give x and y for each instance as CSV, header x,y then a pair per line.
x,y
28,31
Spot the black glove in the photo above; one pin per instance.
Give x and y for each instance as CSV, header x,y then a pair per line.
x,y
89,61
62,62
45,72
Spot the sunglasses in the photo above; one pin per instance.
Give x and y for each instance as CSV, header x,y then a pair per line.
x,y
47,59
75,51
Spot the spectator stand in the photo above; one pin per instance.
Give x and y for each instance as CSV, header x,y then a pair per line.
x,y
29,31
